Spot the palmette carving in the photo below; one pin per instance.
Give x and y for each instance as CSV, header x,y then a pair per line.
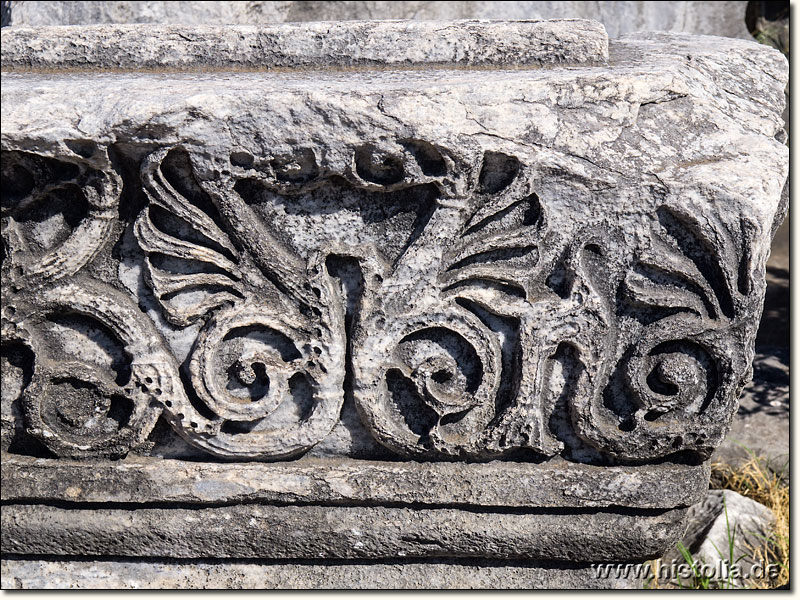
x,y
481,334
253,357
684,374
496,269
216,252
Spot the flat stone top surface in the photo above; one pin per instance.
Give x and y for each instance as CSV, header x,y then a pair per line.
x,y
304,45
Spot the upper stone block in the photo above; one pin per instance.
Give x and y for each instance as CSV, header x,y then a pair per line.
x,y
424,268
311,45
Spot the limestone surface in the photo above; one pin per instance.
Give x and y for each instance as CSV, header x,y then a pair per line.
x,y
286,532
405,575
334,481
315,45
294,280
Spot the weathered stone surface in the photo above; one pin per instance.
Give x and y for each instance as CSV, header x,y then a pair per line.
x,y
726,18
496,484
314,45
522,254
333,532
486,220
431,574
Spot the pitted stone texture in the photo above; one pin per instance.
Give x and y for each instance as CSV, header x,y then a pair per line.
x,y
469,263
724,18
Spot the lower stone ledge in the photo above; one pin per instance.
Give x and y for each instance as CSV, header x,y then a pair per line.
x,y
176,574
321,510
335,532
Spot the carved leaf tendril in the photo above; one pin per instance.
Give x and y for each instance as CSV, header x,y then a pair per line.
x,y
174,266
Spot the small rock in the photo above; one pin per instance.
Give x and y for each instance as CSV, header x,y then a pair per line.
x,y
722,533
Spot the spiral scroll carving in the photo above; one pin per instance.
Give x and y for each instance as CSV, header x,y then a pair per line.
x,y
677,391
676,386
444,363
33,261
241,374
77,408
672,376
251,369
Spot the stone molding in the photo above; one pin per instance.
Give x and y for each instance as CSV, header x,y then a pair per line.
x,y
147,481
314,45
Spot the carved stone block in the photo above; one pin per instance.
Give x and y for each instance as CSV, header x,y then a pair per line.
x,y
376,290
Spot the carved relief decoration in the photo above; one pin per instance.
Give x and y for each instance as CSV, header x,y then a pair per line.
x,y
471,326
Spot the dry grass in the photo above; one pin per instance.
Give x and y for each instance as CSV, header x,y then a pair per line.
x,y
757,481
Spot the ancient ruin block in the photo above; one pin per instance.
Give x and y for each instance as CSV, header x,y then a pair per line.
x,y
410,293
